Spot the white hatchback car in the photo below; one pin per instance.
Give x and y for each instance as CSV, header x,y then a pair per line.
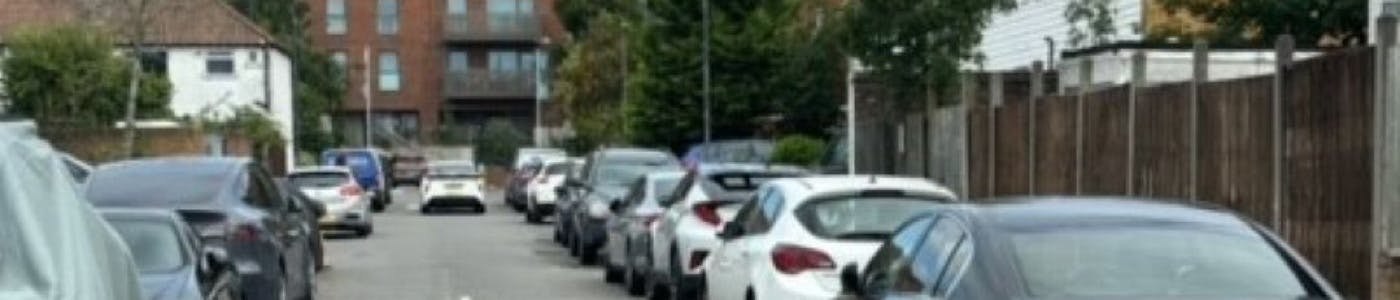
x,y
542,193
790,242
347,205
452,184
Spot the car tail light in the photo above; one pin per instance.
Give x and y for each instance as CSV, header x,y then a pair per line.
x,y
791,259
351,190
245,233
708,213
697,258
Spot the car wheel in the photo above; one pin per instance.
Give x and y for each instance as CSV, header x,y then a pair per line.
x,y
611,274
364,232
310,292
557,238
680,289
573,246
425,210
532,217
376,205
632,280
587,257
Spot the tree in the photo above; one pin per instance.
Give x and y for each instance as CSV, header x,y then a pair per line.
x,y
1091,22
755,46
798,150
320,82
133,21
498,142
917,46
1257,22
70,75
589,82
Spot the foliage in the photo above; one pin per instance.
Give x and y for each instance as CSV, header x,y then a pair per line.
x,y
588,82
498,142
69,74
320,83
1257,22
798,150
917,46
250,122
764,60
1091,22
578,16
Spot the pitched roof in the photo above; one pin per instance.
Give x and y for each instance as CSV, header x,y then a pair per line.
x,y
172,22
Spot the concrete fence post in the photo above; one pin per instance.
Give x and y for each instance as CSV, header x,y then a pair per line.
x,y
1200,73
1086,84
994,93
965,91
1037,91
1283,57
1139,69
1386,132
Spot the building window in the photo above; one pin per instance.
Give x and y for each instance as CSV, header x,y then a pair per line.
x,y
152,62
509,14
335,16
388,17
457,15
218,63
457,62
388,72
504,64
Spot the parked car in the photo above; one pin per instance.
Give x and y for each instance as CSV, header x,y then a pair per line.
x,y
787,243
1079,248
52,244
370,167
310,218
629,229
232,204
174,264
754,151
76,167
347,206
707,197
543,191
528,163
409,167
452,184
564,205
609,173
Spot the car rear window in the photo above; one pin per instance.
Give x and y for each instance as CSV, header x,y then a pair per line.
x,y
1126,261
557,169
158,185
155,246
861,217
452,171
318,179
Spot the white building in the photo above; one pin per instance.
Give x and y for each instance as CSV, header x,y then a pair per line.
x,y
216,59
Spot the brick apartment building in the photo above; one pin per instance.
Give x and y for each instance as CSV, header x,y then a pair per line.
x,y
437,68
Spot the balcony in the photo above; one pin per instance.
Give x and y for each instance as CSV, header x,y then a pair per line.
x,y
484,84
522,30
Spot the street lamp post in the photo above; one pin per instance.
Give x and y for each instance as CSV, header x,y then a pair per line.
x,y
365,88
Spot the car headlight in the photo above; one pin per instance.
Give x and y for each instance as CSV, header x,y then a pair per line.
x,y
598,210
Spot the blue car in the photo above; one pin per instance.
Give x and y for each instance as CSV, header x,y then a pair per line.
x,y
173,264
369,168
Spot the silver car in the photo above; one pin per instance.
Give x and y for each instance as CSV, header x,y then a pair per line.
x,y
347,207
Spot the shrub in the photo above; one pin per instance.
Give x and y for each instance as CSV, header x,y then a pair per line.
x,y
799,150
498,142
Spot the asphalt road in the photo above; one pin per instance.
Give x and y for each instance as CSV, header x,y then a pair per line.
x,y
456,256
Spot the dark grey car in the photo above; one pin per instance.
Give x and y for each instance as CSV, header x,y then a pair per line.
x,y
232,204
173,263
606,177
1084,249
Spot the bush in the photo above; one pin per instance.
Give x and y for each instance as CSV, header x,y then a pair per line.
x,y
798,150
498,143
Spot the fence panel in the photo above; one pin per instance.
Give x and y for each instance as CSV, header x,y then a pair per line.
x,y
1054,149
1327,126
1236,153
1163,148
1106,142
1012,141
947,147
979,137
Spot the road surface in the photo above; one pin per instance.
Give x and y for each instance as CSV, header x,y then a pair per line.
x,y
456,256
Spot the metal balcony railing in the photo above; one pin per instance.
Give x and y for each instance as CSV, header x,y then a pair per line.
x,y
486,84
497,29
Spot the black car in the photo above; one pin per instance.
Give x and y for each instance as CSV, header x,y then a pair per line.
x,y
173,263
315,210
1084,249
606,177
563,203
232,204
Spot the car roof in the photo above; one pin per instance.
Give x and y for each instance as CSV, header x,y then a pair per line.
x,y
711,168
155,214
192,163
665,175
806,187
321,169
1033,211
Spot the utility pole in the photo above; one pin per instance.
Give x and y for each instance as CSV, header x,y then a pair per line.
x,y
705,56
365,88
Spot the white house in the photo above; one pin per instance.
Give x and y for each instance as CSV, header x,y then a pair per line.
x,y
215,58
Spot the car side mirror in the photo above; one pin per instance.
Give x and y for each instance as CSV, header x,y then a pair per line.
x,y
214,260
850,280
615,206
732,230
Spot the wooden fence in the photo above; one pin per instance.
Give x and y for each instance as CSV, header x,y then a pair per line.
x,y
1152,141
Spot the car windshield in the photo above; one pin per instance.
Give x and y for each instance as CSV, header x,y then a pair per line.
x,y
861,217
1151,261
154,245
318,179
453,171
557,169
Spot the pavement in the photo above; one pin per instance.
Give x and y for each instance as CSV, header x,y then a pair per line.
x,y
456,256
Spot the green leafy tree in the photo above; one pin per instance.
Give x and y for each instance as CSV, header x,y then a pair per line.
x,y
71,75
589,82
798,150
761,65
498,142
320,82
916,47
1257,22
1091,22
